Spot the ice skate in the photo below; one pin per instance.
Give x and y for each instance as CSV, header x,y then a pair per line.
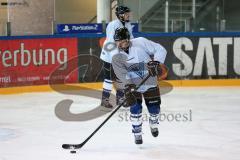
x,y
106,105
154,131
138,139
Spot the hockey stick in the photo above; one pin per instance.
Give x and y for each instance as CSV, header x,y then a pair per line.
x,y
78,146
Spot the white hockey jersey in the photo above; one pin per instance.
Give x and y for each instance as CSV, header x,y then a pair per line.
x,y
131,67
110,31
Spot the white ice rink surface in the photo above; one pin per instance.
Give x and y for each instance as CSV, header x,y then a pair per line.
x,y
29,129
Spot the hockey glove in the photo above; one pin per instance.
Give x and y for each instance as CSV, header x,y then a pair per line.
x,y
153,68
129,91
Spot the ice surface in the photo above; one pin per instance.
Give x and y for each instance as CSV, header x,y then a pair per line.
x,y
29,129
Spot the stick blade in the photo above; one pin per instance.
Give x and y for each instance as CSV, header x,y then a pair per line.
x,y
67,146
72,146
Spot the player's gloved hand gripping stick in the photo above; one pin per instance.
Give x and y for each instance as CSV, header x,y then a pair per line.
x,y
78,146
129,92
155,68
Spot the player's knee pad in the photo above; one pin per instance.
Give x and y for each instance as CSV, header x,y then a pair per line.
x,y
155,101
152,96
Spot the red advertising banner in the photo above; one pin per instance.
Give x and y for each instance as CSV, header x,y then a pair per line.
x,y
31,61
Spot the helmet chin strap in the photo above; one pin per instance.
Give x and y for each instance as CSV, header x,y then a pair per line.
x,y
125,49
121,18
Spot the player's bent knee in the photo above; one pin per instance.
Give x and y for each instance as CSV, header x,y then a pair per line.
x,y
153,109
154,101
136,109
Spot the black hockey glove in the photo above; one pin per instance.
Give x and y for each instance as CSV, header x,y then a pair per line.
x,y
129,91
153,68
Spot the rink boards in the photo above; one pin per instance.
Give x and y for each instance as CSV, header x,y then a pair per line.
x,y
193,59
98,86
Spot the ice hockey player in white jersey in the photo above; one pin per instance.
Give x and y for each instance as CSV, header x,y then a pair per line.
x,y
122,13
136,59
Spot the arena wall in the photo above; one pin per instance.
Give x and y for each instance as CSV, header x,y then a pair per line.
x,y
193,59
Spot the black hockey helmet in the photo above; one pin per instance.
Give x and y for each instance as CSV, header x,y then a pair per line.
x,y
121,34
121,10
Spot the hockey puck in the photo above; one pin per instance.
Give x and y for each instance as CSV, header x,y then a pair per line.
x,y
73,152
